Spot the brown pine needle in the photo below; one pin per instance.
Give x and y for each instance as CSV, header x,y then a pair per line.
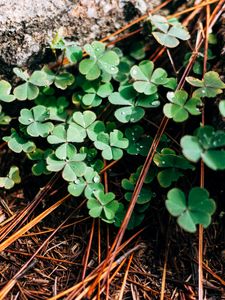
x,y
31,224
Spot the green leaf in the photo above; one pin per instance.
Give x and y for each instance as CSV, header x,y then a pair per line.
x,y
222,108
5,89
35,120
103,206
205,144
26,91
145,80
210,86
166,33
197,210
100,60
139,143
180,108
111,144
18,144
12,178
71,163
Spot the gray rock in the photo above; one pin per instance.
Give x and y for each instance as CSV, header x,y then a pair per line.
x,y
28,26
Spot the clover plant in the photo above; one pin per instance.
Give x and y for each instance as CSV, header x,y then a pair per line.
x,y
210,86
180,108
101,60
85,118
198,209
103,206
172,165
12,178
208,144
168,33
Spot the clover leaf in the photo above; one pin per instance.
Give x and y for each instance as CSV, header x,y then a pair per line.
x,y
34,119
40,167
168,34
111,144
61,80
146,79
5,88
69,161
205,144
180,108
132,109
100,61
29,90
103,205
173,165
95,91
198,209
72,52
139,143
56,106
210,86
222,108
12,178
145,195
18,143
136,218
89,183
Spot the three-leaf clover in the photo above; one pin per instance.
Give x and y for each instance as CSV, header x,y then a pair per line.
x,y
72,52
70,162
146,79
137,216
139,143
103,205
100,60
111,144
210,86
196,210
12,178
95,91
29,90
35,120
173,165
56,106
132,109
40,156
168,34
17,143
61,80
5,89
89,183
205,144
180,108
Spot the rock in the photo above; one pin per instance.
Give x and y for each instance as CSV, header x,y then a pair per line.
x,y
27,27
